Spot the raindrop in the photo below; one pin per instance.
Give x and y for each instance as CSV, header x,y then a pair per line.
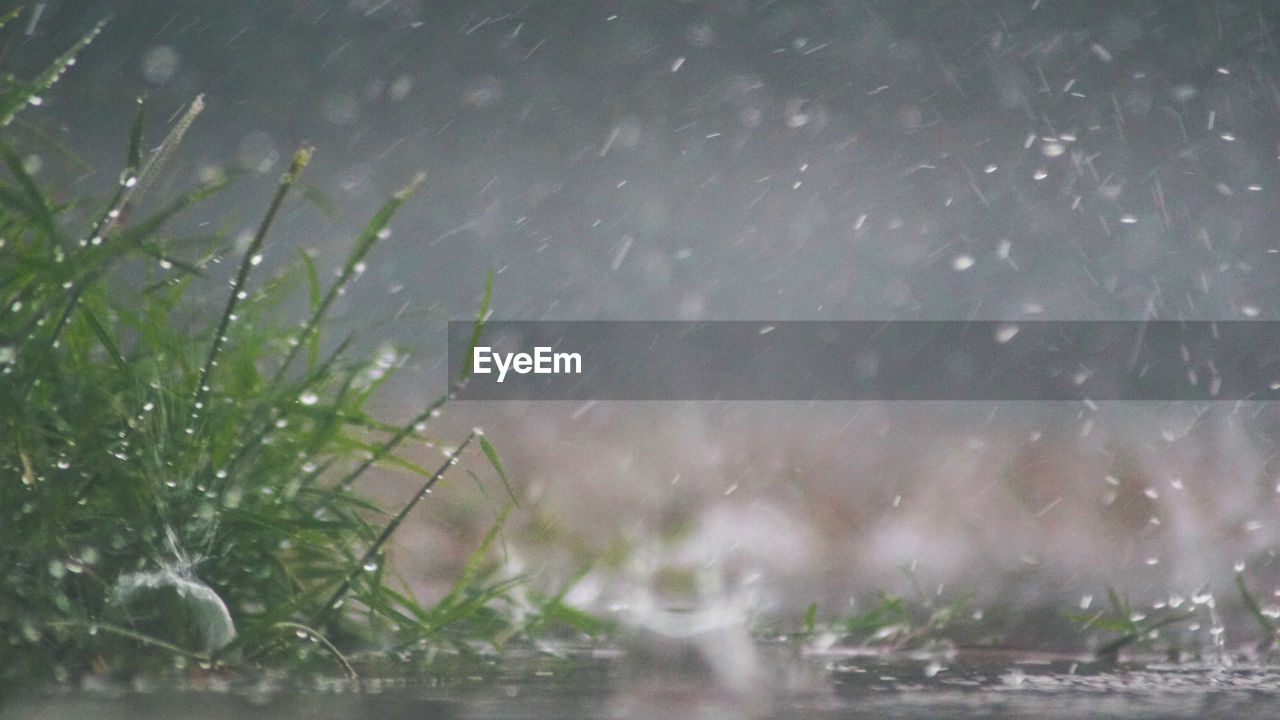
x,y
400,87
371,566
258,151
159,64
962,262
308,398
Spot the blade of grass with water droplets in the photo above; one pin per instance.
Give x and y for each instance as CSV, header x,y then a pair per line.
x,y
492,456
373,232
328,606
247,262
12,103
150,170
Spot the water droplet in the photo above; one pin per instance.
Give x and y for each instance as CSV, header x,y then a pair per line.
x,y
371,566
308,398
256,259
1006,332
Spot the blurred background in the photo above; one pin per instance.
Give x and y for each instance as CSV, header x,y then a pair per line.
x,y
762,160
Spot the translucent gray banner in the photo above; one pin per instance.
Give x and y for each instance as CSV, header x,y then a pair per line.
x,y
864,360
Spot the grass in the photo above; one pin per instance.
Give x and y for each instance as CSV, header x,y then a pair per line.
x,y
178,487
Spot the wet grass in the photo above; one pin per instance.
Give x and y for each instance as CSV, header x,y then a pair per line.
x,y
178,483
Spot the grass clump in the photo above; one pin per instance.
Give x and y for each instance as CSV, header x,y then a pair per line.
x,y
176,486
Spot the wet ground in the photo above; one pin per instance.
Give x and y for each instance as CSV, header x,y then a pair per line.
x,y
608,685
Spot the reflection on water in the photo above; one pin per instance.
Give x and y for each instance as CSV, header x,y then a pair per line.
x,y
604,685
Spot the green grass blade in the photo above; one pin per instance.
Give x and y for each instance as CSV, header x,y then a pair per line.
x,y
13,103
10,15
106,340
151,169
247,262
313,288
134,156
329,605
1268,625
492,456
373,232
481,316
29,199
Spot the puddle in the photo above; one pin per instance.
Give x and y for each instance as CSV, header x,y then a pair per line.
x,y
608,684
